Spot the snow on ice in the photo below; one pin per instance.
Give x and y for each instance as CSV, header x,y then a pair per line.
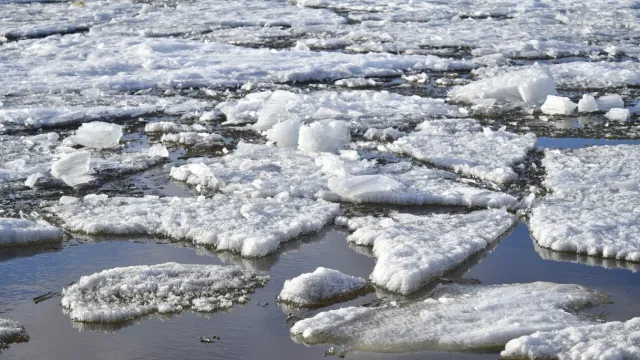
x,y
320,287
20,232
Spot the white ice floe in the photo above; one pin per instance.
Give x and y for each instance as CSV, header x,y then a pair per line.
x,y
193,139
611,340
126,293
383,134
412,251
24,156
363,109
320,287
251,227
617,114
97,135
466,147
129,63
261,170
356,83
171,127
592,209
558,105
20,232
324,136
287,133
594,75
587,104
530,86
158,150
454,318
12,331
73,168
608,102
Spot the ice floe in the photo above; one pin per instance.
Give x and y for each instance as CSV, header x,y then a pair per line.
x,y
592,208
97,135
558,105
171,127
20,232
193,139
454,318
412,250
464,146
262,170
251,227
12,331
320,287
126,293
617,114
611,340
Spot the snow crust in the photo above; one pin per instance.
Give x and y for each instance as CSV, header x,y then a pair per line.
x,y
20,232
320,287
251,227
593,206
12,331
464,146
454,318
126,293
611,340
261,170
412,251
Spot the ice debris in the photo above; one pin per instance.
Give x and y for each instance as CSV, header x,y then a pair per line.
x,y
324,136
193,139
587,104
321,287
21,232
73,168
97,135
617,114
12,331
558,105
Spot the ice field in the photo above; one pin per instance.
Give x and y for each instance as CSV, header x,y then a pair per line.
x,y
285,179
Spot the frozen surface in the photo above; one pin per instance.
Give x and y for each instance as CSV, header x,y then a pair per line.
x,y
593,206
361,108
412,251
193,138
251,227
320,287
12,331
97,135
612,340
261,170
20,232
464,146
454,318
126,293
558,105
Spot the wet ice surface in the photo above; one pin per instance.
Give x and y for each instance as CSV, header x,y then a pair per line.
x,y
313,75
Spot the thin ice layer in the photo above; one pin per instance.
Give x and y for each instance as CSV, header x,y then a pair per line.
x,y
412,251
611,340
251,227
464,146
12,331
320,287
20,232
363,109
126,293
261,170
454,318
593,208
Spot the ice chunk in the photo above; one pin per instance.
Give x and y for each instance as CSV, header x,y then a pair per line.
x,y
617,114
412,251
387,134
126,293
20,232
530,86
32,179
454,318
596,75
97,135
170,127
592,209
321,136
608,102
587,104
285,134
466,147
251,227
73,168
12,331
193,139
158,150
320,287
261,170
611,340
558,105
356,83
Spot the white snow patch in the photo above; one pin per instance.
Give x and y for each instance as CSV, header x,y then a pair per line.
x,y
319,287
20,232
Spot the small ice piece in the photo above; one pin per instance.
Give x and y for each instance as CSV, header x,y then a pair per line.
x,y
73,168
592,207
420,78
166,127
251,227
587,104
12,331
324,136
285,134
125,293
32,179
611,340
388,134
464,146
193,139
321,287
454,318
158,150
97,135
20,232
558,105
412,251
617,114
356,83
608,102
530,86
